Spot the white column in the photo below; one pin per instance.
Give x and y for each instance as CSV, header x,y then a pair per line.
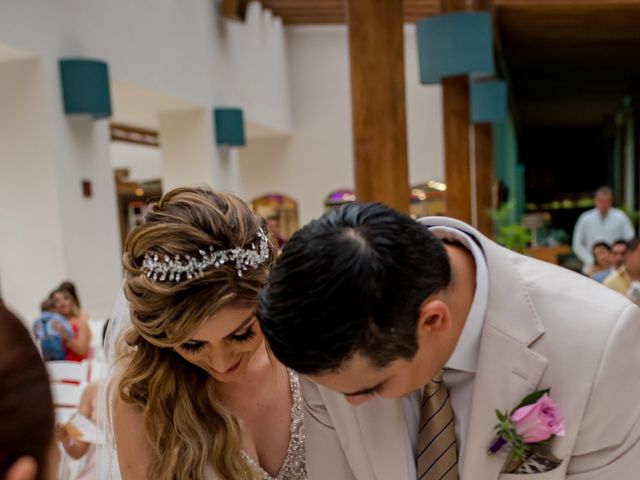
x,y
50,232
187,145
91,225
227,171
32,254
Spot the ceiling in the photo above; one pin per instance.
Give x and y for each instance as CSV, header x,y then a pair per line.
x,y
327,12
570,63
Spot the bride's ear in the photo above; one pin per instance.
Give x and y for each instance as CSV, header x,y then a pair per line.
x,y
25,468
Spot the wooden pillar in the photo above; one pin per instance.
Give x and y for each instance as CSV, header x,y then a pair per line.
x,y
378,101
457,154
484,177
462,169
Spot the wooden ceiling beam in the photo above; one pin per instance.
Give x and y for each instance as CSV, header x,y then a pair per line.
x,y
308,12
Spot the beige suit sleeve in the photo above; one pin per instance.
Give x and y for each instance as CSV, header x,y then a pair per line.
x,y
325,456
608,444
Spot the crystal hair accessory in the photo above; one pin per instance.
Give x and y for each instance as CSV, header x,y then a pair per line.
x,y
161,268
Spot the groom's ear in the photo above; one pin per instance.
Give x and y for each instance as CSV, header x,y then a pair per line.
x,y
434,318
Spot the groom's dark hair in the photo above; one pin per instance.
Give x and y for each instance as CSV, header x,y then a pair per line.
x,y
351,281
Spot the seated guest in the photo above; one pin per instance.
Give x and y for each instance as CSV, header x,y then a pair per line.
x,y
27,448
618,252
78,344
49,329
623,278
70,288
601,267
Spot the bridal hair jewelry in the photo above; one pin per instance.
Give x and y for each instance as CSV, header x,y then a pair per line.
x,y
162,268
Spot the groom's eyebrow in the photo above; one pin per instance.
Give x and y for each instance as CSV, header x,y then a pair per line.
x,y
366,391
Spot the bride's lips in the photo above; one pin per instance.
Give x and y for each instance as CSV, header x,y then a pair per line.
x,y
229,370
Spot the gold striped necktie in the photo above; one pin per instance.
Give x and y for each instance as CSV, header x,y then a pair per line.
x,y
437,457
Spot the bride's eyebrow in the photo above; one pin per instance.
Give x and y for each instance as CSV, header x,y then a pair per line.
x,y
250,319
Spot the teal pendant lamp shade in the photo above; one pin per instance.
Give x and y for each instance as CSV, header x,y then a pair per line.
x,y
229,126
455,44
488,101
85,87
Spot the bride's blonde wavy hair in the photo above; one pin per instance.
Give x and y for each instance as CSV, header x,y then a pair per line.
x,y
188,429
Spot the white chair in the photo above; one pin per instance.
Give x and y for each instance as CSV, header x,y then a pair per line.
x,y
67,381
66,399
64,371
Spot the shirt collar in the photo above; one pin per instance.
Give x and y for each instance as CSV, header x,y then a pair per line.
x,y
465,355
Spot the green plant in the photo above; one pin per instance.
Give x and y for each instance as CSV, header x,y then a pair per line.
x,y
509,233
634,215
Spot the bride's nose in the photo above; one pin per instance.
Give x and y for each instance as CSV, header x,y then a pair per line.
x,y
222,359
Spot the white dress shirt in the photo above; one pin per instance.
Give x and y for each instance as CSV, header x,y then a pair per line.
x,y
460,370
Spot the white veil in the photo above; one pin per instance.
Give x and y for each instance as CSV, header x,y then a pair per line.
x,y
119,322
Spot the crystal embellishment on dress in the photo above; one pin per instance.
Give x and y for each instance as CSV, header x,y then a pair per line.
x,y
163,267
295,463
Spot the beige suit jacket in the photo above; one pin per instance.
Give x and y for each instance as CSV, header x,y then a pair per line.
x,y
545,327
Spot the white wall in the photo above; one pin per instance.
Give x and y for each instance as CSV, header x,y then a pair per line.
x,y
183,48
178,55
143,161
424,118
318,156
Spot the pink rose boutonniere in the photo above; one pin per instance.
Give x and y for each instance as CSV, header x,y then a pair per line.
x,y
535,420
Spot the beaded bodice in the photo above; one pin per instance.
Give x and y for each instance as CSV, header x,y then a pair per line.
x,y
295,465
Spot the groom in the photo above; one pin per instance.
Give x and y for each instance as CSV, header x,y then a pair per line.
x,y
410,335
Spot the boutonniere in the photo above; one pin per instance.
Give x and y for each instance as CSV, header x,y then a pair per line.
x,y
535,421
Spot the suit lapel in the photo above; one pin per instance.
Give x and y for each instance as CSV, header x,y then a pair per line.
x,y
384,433
507,369
507,372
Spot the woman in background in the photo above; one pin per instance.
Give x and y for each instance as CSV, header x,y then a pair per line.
x,y
27,447
601,267
76,346
70,287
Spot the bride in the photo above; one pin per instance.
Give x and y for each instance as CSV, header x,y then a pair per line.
x,y
194,393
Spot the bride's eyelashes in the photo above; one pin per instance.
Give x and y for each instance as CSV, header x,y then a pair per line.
x,y
194,347
244,337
